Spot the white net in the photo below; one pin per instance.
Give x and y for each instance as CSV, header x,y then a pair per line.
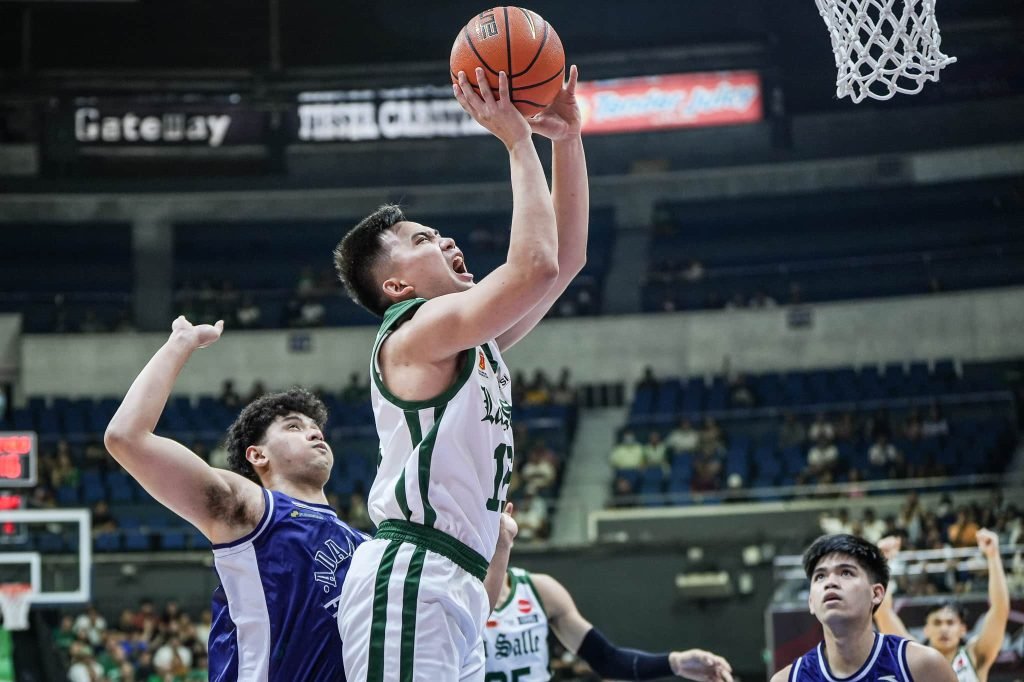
x,y
14,603
883,46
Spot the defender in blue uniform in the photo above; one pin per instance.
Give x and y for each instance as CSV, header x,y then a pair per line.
x,y
848,579
280,551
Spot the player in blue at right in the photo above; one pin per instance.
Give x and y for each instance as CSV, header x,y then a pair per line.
x,y
848,579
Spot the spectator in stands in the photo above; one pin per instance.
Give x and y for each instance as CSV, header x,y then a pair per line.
x,y
712,441
683,439
846,428
64,472
64,634
740,394
563,392
91,625
144,668
539,390
736,302
839,522
532,516
539,473
911,428
878,425
519,383
258,391
873,528
935,424
822,460
883,456
357,390
228,395
306,284
821,429
173,658
96,456
248,314
358,514
694,272
964,531
628,454
102,520
762,300
655,452
204,625
707,471
623,491
648,381
84,667
792,432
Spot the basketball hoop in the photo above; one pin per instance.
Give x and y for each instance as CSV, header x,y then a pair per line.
x,y
15,599
883,46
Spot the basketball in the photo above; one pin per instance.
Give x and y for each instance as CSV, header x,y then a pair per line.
x,y
519,42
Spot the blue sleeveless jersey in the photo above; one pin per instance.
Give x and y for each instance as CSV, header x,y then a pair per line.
x,y
275,611
887,663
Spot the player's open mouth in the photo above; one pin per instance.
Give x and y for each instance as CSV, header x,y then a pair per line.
x,y
459,266
832,596
321,446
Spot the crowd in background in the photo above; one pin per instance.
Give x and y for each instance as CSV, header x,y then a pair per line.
x,y
941,526
142,645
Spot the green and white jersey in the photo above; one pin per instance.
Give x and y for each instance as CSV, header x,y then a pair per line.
x,y
445,463
516,636
963,666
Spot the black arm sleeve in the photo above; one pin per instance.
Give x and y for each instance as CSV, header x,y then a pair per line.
x,y
608,660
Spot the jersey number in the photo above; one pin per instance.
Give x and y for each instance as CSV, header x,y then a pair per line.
x,y
502,677
502,476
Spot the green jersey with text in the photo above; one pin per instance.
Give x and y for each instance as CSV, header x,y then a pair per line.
x,y
445,463
516,636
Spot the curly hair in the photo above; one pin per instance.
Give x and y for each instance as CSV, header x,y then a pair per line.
x,y
357,254
250,428
866,554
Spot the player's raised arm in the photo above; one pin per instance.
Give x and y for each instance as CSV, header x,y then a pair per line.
x,y
989,641
561,122
578,635
468,318
170,472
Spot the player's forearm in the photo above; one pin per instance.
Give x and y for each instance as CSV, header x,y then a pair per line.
x,y
533,242
998,592
142,405
570,194
496,572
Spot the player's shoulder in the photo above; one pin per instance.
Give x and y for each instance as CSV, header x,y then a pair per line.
x,y
926,663
783,674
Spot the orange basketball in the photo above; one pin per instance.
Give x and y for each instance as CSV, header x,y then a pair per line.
x,y
520,43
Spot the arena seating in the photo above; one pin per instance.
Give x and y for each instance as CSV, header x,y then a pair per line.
x,y
962,236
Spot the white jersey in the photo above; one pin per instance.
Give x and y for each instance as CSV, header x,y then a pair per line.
x,y
963,666
516,636
445,463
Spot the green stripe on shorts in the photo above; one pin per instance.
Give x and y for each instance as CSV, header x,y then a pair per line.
x,y
379,621
409,604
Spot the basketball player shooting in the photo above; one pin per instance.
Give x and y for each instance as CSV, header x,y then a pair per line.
x,y
945,627
848,579
414,606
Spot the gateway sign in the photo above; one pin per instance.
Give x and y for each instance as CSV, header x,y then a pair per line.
x,y
92,126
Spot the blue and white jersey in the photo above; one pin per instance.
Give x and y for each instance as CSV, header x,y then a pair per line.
x,y
887,663
274,613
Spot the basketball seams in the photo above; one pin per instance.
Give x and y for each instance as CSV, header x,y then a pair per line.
x,y
480,58
508,46
540,48
543,82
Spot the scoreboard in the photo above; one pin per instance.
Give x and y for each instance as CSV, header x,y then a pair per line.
x,y
18,466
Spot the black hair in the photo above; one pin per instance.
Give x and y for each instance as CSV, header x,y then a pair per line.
x,y
357,253
952,604
866,554
250,428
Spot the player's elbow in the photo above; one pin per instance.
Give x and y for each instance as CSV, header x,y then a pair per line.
x,y
117,439
543,269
